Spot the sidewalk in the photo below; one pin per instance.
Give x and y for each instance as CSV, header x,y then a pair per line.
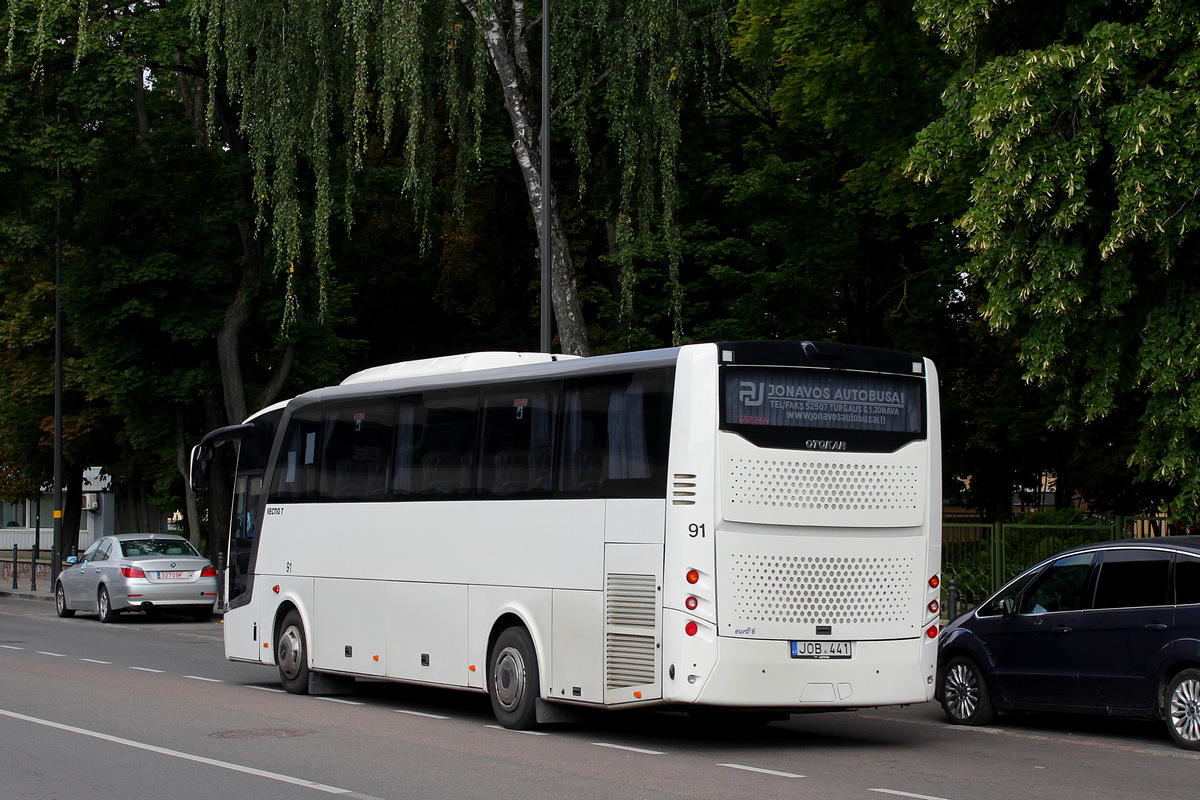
x,y
23,591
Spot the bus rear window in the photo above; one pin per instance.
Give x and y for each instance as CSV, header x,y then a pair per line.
x,y
821,409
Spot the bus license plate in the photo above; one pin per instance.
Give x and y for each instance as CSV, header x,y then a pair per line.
x,y
820,650
172,576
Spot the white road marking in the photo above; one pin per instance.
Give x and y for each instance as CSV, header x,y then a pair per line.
x,y
630,749
11,647
419,713
510,730
147,669
96,661
206,680
56,655
777,773
212,762
906,794
339,700
267,689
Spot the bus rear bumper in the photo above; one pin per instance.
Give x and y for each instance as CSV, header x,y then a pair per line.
x,y
762,674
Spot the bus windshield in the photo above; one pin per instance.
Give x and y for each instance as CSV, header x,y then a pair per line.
x,y
821,409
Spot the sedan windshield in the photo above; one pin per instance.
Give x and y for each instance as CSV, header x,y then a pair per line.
x,y
157,547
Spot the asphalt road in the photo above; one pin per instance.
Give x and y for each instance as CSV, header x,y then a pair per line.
x,y
150,709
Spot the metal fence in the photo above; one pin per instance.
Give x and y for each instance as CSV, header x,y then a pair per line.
x,y
980,557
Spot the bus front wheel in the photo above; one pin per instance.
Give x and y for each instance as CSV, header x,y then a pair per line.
x,y
291,654
513,682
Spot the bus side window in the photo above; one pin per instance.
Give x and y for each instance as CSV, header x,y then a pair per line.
x,y
295,477
445,453
615,436
357,446
406,478
517,433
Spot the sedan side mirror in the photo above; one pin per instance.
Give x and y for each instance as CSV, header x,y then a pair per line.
x,y
1009,605
72,559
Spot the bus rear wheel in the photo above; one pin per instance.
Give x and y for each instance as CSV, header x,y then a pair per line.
x,y
291,654
513,682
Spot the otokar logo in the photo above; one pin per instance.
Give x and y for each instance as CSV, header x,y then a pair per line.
x,y
752,394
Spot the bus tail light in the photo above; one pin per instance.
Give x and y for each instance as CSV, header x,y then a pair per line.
x,y
691,603
693,576
133,572
691,628
932,632
935,582
933,606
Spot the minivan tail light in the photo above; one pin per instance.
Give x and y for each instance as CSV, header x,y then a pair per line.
x,y
133,572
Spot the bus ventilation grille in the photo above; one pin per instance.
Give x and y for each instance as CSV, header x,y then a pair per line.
x,y
811,590
630,660
823,485
631,603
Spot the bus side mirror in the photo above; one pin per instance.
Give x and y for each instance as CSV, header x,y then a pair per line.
x,y
202,456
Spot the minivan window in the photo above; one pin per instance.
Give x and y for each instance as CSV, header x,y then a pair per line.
x,y
1059,588
1187,580
1134,579
995,606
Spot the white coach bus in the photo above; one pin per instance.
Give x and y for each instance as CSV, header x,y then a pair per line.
x,y
748,526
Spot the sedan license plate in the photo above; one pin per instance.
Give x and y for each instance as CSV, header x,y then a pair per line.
x,y
173,576
820,650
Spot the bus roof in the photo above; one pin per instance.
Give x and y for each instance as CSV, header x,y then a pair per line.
x,y
448,365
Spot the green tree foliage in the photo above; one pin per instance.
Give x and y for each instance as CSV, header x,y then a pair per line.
x,y
157,260
1076,125
316,76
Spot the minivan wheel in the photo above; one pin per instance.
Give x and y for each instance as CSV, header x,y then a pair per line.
x,y
1182,709
964,693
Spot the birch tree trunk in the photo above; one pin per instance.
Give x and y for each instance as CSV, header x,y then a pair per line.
x,y
508,49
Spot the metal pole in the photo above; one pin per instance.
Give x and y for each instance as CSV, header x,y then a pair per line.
x,y
546,254
58,378
16,558
33,559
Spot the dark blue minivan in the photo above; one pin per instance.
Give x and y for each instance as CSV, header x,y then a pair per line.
x,y
1109,628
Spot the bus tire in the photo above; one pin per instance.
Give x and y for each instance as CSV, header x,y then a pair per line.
x,y
291,654
512,679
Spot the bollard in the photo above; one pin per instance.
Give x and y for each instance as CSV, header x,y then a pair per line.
x,y
15,558
33,566
952,599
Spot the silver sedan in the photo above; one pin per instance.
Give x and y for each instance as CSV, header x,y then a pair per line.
x,y
138,572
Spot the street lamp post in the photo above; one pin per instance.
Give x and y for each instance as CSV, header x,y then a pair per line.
x,y
546,239
56,551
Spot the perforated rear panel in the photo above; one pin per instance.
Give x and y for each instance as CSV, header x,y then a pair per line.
x,y
777,586
789,487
